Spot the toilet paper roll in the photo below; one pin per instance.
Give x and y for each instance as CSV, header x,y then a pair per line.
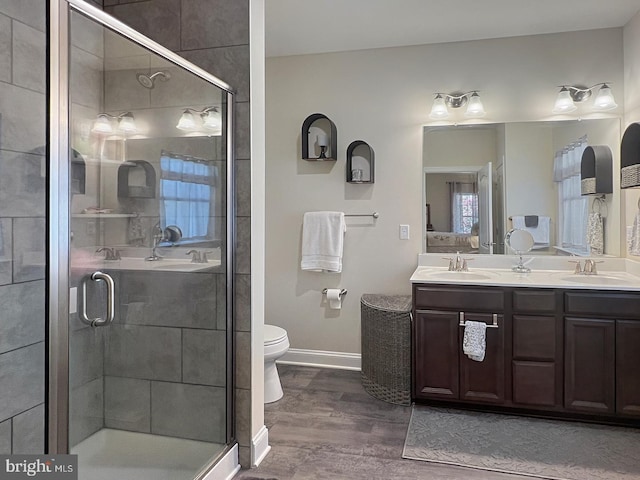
x,y
333,295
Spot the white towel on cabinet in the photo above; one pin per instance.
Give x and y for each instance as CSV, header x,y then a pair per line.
x,y
322,241
474,342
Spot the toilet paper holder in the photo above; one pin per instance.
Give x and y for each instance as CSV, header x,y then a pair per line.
x,y
343,292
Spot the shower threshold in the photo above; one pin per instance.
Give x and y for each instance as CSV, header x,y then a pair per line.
x,y
117,454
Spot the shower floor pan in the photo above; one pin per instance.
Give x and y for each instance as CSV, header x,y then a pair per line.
x,y
117,454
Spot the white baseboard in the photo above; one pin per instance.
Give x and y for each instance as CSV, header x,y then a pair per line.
x,y
259,446
321,358
226,468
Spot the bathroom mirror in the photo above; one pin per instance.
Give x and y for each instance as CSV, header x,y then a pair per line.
x,y
519,241
478,178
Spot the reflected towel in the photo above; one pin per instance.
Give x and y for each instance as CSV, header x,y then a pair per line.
x,y
322,241
531,221
540,233
595,233
474,343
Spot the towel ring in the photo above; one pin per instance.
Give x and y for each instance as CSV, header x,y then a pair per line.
x,y
599,203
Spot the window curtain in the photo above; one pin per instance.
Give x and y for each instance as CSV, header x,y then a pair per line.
x,y
186,190
573,207
464,206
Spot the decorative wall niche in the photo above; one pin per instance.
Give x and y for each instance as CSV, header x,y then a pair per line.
x,y
319,138
360,162
630,157
596,170
136,179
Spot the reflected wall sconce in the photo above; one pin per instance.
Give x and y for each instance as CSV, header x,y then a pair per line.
x,y
103,124
210,118
569,95
443,101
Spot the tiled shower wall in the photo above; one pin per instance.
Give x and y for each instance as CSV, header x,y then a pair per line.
x,y
22,225
214,34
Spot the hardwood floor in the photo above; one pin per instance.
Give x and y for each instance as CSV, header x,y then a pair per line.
x,y
328,428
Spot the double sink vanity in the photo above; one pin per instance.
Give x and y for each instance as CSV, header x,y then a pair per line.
x,y
557,343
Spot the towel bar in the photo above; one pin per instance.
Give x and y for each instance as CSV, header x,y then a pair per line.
x,y
374,214
494,316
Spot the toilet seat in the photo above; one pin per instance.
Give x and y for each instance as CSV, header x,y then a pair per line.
x,y
273,335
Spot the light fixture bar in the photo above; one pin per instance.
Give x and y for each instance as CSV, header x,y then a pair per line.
x,y
569,95
439,110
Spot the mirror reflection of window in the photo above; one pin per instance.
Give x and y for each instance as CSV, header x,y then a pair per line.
x,y
464,206
186,192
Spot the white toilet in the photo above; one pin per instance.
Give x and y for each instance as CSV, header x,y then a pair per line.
x,y
276,344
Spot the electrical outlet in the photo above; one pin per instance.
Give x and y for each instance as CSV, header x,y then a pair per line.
x,y
404,232
91,227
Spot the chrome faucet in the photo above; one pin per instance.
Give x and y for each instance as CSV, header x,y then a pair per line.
x,y
588,269
458,264
157,235
109,253
198,257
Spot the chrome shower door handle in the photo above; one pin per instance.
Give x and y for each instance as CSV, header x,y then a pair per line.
x,y
99,322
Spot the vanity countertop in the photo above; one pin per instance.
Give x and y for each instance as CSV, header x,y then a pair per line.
x,y
552,272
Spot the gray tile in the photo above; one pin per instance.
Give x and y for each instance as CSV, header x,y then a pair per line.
x,y
22,315
5,437
31,12
242,305
22,121
230,64
152,353
243,130
86,354
22,380
28,249
243,416
182,89
243,352
6,249
188,411
204,357
214,23
243,188
5,49
86,406
243,245
86,78
29,57
87,34
169,299
28,431
22,186
127,404
158,20
123,92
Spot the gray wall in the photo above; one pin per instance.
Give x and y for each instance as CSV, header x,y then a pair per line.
x,y
214,34
22,225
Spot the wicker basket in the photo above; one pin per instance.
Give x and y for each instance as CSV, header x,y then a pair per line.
x,y
630,176
587,186
386,347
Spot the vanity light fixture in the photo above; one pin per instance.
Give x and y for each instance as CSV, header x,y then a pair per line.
x,y
439,110
210,119
103,123
569,95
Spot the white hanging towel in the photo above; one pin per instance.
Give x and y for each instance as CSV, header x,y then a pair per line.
x,y
474,342
322,241
540,233
634,243
595,233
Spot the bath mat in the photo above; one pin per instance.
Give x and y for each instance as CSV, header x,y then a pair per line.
x,y
551,449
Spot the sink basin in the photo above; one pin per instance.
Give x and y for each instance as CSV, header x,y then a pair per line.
x,y
447,275
598,279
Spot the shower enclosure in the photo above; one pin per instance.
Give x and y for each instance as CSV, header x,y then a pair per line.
x,y
140,254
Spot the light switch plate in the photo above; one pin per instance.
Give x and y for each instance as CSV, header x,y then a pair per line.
x,y
404,232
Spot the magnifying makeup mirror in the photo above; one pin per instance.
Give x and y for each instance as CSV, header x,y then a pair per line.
x,y
521,242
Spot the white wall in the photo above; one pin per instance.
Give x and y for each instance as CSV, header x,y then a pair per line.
x,y
631,31
384,96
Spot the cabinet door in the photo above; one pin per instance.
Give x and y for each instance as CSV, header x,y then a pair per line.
x,y
436,354
589,365
484,381
627,363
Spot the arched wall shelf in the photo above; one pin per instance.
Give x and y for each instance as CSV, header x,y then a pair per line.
x,y
125,189
315,126
365,162
596,170
630,157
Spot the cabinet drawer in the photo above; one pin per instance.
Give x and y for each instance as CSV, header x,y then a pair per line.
x,y
534,301
535,338
608,305
483,299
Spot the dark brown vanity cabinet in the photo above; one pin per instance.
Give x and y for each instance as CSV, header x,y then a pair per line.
x,y
441,369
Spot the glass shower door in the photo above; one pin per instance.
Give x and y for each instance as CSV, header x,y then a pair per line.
x,y
148,331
